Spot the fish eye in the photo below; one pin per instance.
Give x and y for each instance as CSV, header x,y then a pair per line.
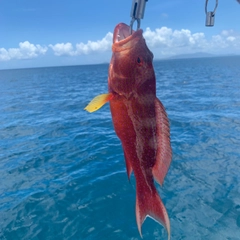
x,y
139,60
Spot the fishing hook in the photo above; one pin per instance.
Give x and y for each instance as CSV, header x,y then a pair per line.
x,y
210,15
137,13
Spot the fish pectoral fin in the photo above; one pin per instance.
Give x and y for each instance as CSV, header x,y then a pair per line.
x,y
98,102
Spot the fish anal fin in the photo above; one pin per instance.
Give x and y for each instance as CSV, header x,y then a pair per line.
x,y
98,102
164,151
149,204
128,165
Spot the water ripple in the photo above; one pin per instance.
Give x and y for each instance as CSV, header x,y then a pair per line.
x,y
62,170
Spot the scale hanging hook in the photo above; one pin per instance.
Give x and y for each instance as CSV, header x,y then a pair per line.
x,y
137,12
210,15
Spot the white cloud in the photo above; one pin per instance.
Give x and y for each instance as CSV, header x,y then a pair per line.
x,y
164,15
170,42
62,49
83,48
26,50
163,42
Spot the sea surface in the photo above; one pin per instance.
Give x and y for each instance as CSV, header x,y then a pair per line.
x,y
62,170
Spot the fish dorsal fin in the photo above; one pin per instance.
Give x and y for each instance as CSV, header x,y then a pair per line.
x,y
164,151
98,102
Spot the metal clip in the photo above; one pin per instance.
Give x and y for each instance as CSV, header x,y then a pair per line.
x,y
210,15
137,12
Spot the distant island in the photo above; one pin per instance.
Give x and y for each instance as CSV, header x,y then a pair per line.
x,y
193,55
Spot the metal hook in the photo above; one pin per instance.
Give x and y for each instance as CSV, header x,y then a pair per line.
x,y
137,12
214,8
210,15
132,22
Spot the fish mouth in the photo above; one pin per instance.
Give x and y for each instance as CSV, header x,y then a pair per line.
x,y
123,34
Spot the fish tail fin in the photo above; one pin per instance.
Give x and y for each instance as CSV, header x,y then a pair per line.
x,y
98,102
149,204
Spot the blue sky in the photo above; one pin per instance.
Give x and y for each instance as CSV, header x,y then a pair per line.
x,y
52,33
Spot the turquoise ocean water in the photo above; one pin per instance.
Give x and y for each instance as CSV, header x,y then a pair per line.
x,y
62,170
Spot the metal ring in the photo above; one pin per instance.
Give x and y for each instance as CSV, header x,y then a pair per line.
x,y
138,23
132,22
131,26
214,8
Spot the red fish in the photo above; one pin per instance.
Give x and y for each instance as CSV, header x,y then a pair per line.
x,y
140,120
